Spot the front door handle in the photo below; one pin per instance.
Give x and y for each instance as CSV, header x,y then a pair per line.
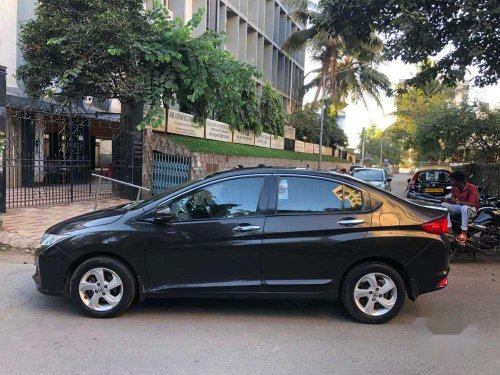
x,y
246,228
349,222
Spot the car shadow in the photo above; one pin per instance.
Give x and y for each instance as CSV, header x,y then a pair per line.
x,y
242,307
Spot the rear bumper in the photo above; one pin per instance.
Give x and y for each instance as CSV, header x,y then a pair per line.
x,y
428,269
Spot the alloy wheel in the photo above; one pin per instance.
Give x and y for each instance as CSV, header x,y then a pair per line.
x,y
101,289
375,294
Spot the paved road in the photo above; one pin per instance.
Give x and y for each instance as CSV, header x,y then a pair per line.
x,y
454,331
399,183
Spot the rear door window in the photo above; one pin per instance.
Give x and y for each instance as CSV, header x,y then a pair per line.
x,y
311,195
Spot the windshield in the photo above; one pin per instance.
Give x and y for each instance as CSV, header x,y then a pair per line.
x,y
434,176
369,174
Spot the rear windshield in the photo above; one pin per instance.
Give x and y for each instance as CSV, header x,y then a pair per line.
x,y
434,176
368,174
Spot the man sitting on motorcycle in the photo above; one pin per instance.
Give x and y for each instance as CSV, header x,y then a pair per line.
x,y
462,201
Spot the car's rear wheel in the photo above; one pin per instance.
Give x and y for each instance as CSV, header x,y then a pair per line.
x,y
373,293
102,287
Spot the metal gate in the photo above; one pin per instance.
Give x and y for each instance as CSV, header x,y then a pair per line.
x,y
169,171
49,157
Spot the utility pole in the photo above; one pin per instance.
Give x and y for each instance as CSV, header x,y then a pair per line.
x,y
363,143
381,150
322,121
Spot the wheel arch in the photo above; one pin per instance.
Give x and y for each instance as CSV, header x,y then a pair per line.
x,y
78,261
410,287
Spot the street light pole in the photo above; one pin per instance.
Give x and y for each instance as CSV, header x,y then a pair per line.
x,y
322,121
363,135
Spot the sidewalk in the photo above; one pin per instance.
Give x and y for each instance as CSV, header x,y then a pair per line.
x,y
23,227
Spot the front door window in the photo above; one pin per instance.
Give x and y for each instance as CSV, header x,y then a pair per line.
x,y
227,199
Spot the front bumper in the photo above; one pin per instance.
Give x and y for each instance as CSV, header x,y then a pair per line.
x,y
51,265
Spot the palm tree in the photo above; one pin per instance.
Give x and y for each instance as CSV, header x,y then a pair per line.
x,y
345,62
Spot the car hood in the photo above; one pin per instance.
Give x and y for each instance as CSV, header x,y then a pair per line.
x,y
89,220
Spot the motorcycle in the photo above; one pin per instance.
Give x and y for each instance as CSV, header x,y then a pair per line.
x,y
483,232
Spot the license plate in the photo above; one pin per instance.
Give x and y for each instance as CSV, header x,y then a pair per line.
x,y
433,190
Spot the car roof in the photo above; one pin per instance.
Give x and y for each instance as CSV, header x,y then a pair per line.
x,y
369,169
434,168
279,170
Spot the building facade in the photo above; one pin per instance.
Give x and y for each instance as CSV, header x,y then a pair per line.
x,y
256,31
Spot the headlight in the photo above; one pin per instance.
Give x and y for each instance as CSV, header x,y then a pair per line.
x,y
50,239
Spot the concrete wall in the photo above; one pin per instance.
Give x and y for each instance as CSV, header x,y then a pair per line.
x,y
13,13
203,164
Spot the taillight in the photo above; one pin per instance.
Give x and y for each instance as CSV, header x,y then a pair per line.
x,y
413,181
442,283
438,226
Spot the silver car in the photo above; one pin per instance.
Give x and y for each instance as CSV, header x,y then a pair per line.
x,y
375,176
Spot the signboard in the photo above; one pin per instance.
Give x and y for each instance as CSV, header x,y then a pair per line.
x,y
299,146
308,148
218,131
277,142
183,124
316,148
263,140
289,132
246,138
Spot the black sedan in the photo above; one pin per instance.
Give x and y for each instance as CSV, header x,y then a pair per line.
x,y
262,232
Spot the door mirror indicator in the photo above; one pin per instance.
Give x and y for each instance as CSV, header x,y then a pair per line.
x,y
163,214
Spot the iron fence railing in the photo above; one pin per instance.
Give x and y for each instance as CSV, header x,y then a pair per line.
x,y
140,189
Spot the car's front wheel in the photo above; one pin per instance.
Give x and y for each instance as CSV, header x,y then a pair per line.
x,y
102,287
373,293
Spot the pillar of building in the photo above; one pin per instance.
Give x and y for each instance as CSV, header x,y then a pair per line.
x,y
3,111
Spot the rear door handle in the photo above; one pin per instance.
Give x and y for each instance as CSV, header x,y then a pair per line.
x,y
246,228
349,222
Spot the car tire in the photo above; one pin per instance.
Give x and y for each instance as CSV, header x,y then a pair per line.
x,y
366,280
96,298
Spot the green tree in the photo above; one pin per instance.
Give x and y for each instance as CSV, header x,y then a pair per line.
x,y
94,55
345,59
119,50
377,140
461,32
461,134
272,116
307,124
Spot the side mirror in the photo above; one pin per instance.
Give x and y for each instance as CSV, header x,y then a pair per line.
x,y
409,180
389,179
163,214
